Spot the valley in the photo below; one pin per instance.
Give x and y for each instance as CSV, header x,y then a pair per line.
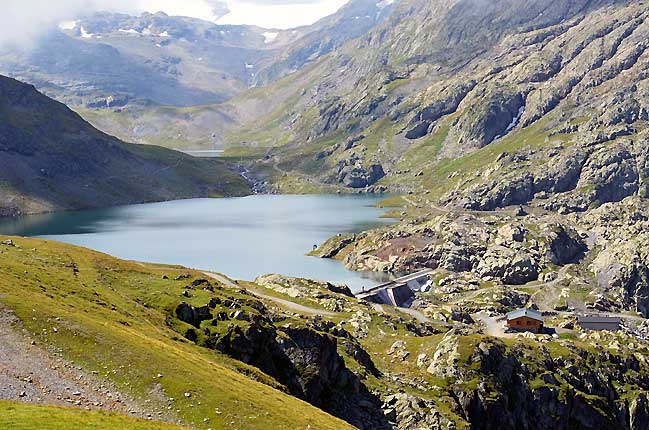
x,y
498,148
53,160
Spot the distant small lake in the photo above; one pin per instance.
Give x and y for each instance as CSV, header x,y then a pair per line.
x,y
205,153
241,237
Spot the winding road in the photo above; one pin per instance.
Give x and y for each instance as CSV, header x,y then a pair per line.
x,y
296,307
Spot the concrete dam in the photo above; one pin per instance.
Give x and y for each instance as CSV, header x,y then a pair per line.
x,y
398,292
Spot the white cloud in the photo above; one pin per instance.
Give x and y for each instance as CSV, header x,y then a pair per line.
x,y
21,21
279,14
203,9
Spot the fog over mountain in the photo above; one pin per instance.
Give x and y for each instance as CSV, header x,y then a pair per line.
x,y
130,61
23,22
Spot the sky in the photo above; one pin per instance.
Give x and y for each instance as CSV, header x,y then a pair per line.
x,y
279,13
22,21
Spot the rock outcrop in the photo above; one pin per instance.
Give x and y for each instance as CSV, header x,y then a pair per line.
x,y
523,387
305,359
358,176
514,252
621,266
193,315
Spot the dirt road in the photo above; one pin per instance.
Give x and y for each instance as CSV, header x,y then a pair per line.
x,y
282,302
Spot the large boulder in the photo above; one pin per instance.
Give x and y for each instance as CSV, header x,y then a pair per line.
x,y
193,315
515,267
512,232
358,176
410,412
446,357
565,245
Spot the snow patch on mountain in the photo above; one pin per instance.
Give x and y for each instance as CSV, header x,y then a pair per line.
x,y
68,25
85,34
269,37
384,3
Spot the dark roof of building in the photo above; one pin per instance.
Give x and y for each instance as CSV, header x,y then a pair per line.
x,y
530,313
598,319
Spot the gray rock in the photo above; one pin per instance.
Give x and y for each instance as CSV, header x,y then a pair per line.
x,y
513,267
192,315
360,177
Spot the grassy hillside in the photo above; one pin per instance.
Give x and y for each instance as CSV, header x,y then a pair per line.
x,y
118,321
54,160
171,127
20,416
110,316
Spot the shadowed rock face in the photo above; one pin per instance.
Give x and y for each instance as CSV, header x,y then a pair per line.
x,y
359,176
519,406
305,359
448,103
192,315
52,159
505,395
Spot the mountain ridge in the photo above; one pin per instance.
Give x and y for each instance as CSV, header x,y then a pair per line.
x,y
52,160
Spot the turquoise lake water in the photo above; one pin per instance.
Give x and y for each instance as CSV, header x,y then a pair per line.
x,y
240,237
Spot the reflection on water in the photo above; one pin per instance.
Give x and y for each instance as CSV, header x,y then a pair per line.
x,y
241,237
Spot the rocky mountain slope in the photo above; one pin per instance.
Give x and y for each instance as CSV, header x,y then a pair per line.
x,y
439,80
353,20
515,133
518,132
471,108
146,78
200,350
110,60
54,160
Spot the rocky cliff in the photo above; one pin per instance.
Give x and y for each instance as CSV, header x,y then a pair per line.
x,y
204,351
379,370
556,82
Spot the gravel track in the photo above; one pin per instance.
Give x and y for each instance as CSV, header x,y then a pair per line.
x,y
32,374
